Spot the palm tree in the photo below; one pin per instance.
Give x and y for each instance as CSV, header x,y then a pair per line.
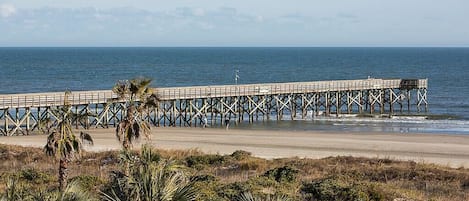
x,y
151,179
72,192
62,142
137,97
16,191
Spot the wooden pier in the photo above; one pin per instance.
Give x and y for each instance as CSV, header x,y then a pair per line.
x,y
213,105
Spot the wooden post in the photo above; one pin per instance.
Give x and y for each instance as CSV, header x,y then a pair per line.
x,y
191,114
222,110
408,100
366,99
337,106
17,119
251,115
391,101
327,106
317,104
212,105
164,113
205,102
28,112
381,106
293,106
6,115
425,98
349,101
360,101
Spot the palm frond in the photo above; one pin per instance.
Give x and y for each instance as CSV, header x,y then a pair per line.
x,y
148,156
52,144
128,131
110,197
121,89
73,192
247,196
135,130
140,86
13,191
152,101
186,193
121,130
86,137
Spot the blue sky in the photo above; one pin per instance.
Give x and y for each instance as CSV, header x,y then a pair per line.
x,y
234,23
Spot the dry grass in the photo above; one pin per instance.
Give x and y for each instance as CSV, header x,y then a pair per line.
x,y
398,179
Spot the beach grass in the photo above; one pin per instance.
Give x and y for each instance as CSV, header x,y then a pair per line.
x,y
224,177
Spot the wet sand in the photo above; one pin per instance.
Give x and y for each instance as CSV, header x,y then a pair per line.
x,y
451,150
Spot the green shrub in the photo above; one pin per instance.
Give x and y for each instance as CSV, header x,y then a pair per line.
x,y
34,176
241,155
333,188
262,182
199,162
207,188
465,183
203,178
282,174
250,165
232,190
259,186
87,182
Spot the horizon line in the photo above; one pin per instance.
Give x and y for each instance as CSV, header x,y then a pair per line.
x,y
234,46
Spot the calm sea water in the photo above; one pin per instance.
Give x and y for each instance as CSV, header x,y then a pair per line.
x,y
57,69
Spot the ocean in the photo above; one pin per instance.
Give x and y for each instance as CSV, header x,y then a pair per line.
x,y
25,70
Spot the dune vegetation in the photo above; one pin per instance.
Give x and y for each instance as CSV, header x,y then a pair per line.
x,y
28,174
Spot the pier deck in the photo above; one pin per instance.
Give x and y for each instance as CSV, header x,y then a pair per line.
x,y
187,106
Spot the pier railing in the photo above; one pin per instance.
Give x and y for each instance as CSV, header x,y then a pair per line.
x,y
195,92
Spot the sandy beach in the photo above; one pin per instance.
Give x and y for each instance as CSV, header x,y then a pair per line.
x,y
451,150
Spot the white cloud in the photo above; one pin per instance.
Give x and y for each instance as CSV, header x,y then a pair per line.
x,y
199,12
231,25
206,26
260,18
7,10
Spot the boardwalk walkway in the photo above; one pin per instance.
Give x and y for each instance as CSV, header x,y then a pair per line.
x,y
186,106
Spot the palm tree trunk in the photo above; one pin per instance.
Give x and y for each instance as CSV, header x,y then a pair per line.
x,y
127,160
126,145
63,173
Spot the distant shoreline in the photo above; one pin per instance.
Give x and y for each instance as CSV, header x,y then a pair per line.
x,y
221,47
